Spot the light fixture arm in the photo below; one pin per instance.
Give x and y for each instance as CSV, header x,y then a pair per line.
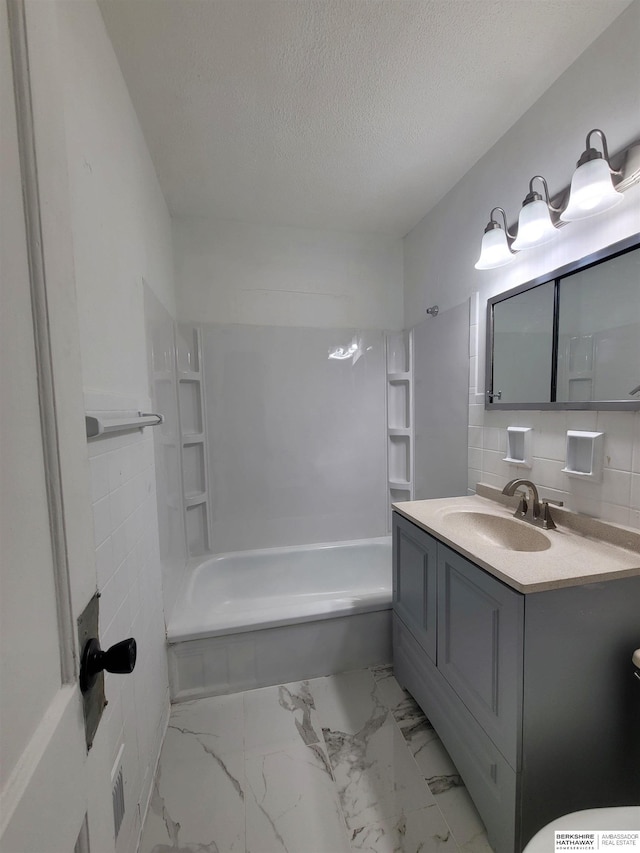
x,y
493,223
534,196
591,153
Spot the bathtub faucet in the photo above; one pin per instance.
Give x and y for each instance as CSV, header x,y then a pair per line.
x,y
530,508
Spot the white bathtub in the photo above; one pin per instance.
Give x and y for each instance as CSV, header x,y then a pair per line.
x,y
254,618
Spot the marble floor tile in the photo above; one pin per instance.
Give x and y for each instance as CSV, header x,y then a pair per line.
x,y
415,727
435,764
422,831
220,717
347,702
387,688
198,798
277,715
409,716
375,773
292,804
462,816
329,765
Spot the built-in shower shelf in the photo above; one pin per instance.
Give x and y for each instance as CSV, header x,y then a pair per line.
x,y
193,438
405,485
195,498
399,404
163,376
192,406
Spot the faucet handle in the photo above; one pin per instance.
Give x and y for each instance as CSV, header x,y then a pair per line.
x,y
547,522
551,501
522,507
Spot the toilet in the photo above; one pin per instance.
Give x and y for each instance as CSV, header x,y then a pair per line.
x,y
615,818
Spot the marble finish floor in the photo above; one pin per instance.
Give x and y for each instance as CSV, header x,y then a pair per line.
x,y
330,765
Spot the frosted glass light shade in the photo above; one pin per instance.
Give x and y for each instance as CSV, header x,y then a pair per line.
x,y
534,226
494,251
592,191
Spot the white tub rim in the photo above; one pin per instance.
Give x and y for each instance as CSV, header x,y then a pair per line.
x,y
196,562
373,603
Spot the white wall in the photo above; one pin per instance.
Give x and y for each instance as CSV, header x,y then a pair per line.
x,y
121,234
230,272
599,90
121,226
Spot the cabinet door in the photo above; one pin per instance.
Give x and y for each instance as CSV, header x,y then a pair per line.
x,y
480,647
414,581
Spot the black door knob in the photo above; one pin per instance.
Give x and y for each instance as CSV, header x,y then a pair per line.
x,y
121,657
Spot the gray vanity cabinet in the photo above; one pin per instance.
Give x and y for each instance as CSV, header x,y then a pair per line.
x,y
532,695
414,589
480,646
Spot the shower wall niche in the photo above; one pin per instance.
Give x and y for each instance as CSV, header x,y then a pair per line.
x,y
400,435
191,399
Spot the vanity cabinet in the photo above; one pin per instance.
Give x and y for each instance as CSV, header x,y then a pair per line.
x,y
531,694
480,646
414,589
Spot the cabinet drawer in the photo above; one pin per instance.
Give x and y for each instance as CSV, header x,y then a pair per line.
x,y
491,782
415,556
480,647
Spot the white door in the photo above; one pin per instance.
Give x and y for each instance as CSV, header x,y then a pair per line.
x,y
47,572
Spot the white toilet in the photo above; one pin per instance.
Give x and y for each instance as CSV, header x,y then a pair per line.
x,y
614,818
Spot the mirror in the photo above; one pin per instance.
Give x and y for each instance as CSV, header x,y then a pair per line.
x,y
571,341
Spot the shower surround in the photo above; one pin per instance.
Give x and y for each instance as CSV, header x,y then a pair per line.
x,y
296,435
292,428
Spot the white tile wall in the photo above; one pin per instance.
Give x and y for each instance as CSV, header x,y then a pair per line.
x,y
615,498
129,580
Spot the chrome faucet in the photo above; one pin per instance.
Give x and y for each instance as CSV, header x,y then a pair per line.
x,y
531,509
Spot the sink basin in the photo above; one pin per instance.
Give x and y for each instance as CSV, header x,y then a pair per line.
x,y
509,533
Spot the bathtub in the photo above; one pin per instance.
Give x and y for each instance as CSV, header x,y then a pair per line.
x,y
254,618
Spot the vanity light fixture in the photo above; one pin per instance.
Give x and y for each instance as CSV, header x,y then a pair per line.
x,y
592,189
534,223
495,250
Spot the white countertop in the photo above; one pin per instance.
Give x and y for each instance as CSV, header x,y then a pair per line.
x,y
581,550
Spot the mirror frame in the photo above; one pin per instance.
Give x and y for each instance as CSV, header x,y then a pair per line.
x,y
605,254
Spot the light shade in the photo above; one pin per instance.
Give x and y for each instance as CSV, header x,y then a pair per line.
x,y
495,251
592,191
534,225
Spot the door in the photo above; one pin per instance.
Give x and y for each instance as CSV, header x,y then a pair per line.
x,y
47,572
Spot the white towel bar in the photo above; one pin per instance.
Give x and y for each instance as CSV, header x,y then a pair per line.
x,y
101,424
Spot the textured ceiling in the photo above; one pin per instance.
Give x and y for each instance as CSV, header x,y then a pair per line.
x,y
342,114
